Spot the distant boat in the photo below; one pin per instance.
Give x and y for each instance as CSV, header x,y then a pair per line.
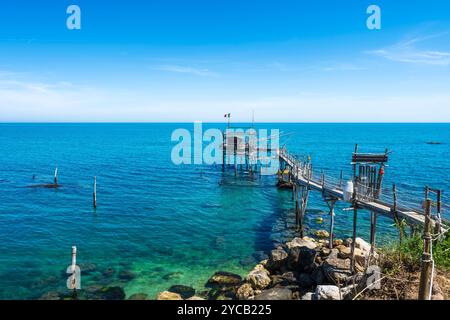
x,y
434,142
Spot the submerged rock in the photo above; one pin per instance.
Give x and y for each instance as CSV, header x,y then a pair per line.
x,y
126,275
172,275
138,296
322,234
184,291
247,261
166,295
223,278
108,272
111,293
275,294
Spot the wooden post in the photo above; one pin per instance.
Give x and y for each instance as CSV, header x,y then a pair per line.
x,y
373,230
305,198
395,212
438,211
355,219
331,204
55,179
95,193
223,153
297,209
427,259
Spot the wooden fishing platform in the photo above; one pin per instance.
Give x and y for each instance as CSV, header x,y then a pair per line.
x,y
363,191
302,175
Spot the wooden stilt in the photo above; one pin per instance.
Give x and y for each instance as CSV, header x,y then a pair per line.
x,y
427,259
95,193
373,230
355,219
297,209
331,203
55,178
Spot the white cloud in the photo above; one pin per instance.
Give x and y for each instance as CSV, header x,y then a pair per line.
x,y
187,70
407,51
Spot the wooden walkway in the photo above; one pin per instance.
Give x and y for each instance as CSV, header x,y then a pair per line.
x,y
301,173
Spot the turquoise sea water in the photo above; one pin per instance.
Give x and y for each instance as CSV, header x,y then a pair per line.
x,y
172,224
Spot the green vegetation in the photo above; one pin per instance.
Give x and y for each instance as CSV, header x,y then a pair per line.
x,y
408,253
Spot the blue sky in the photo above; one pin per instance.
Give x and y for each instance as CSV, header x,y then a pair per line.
x,y
188,60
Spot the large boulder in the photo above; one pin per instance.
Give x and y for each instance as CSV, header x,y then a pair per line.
x,y
327,293
336,270
301,259
167,295
305,280
318,276
245,292
223,285
277,259
362,245
302,242
223,278
259,278
275,294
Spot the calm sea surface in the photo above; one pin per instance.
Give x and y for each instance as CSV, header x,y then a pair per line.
x,y
172,224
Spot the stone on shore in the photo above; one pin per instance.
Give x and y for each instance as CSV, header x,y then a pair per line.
x,y
275,294
322,234
245,292
301,259
302,242
327,293
166,295
195,298
335,269
277,259
259,278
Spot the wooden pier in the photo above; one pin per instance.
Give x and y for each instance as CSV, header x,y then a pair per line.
x,y
363,191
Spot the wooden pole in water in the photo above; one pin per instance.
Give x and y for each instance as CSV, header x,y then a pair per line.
x,y
55,179
95,193
427,259
297,209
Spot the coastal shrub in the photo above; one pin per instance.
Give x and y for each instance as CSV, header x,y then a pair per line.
x,y
408,254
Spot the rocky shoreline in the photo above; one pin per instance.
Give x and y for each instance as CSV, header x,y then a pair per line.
x,y
301,269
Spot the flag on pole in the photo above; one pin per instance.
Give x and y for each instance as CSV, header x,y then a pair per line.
x,y
227,115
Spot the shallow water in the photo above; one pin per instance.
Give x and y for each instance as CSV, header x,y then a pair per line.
x,y
172,224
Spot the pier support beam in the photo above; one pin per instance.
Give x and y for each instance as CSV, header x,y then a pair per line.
x,y
373,230
331,203
355,220
427,259
304,205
